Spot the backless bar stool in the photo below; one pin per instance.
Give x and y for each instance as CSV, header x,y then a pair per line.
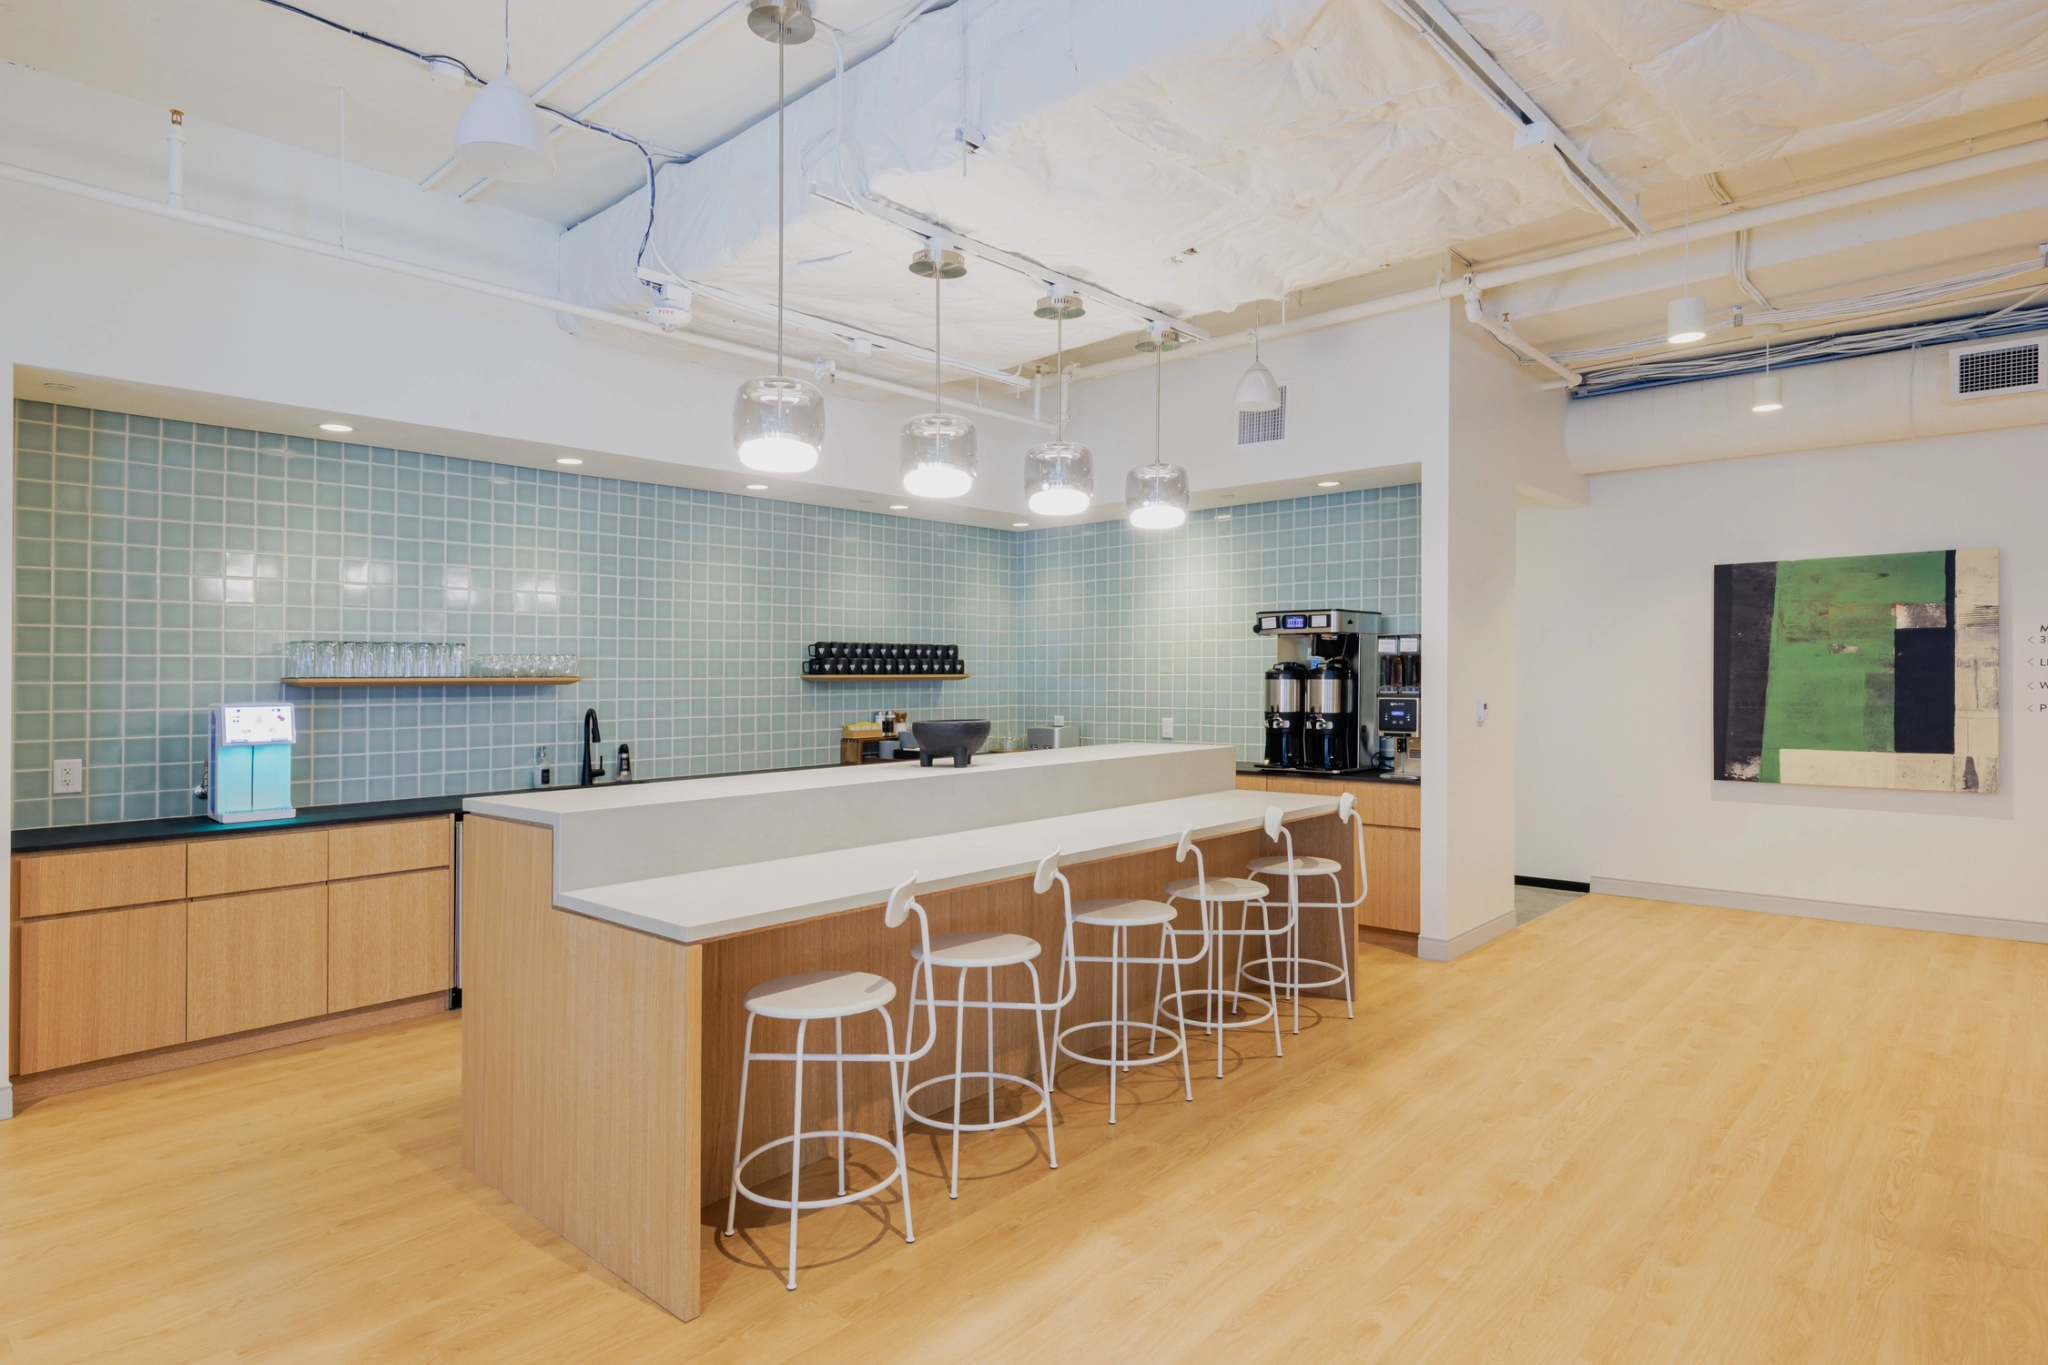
x,y
1215,896
1119,916
967,954
811,997
1338,973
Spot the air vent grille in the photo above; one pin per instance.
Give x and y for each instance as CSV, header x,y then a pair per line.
x,y
1983,371
1258,428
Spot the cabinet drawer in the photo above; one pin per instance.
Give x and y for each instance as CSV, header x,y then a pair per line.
x,y
389,938
100,878
256,960
100,985
398,846
1379,803
255,862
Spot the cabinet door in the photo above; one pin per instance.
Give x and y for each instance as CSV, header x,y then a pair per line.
x,y
1250,782
392,846
225,864
101,985
390,938
256,960
1393,863
100,878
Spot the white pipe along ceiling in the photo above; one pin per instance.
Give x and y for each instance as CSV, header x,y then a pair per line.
x,y
1201,155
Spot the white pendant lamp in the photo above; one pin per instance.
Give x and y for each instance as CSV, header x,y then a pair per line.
x,y
938,449
1156,494
778,420
1258,391
1685,319
1768,392
501,134
1059,475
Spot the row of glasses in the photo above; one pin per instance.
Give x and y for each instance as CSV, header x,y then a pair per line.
x,y
376,659
526,665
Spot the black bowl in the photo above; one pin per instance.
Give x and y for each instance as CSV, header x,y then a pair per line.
x,y
959,738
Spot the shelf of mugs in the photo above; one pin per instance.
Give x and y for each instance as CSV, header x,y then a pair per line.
x,y
850,661
419,663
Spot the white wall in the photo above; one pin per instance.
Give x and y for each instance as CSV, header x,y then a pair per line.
x,y
1615,672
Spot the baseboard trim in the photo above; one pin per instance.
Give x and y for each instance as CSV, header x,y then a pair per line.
x,y
6,1100
1444,949
1842,912
1553,884
43,1084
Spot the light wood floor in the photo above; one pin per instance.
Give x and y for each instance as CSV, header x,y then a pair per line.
x,y
1627,1132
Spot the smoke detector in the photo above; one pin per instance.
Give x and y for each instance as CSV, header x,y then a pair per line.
x,y
672,309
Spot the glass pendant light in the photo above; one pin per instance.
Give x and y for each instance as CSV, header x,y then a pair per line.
x,y
1156,494
938,455
1258,391
778,420
1059,475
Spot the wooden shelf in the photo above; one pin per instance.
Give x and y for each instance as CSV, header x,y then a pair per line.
x,y
885,677
429,682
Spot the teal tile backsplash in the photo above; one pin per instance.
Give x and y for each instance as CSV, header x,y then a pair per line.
x,y
161,566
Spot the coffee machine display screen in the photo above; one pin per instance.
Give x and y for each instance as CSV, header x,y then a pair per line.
x,y
1269,623
1390,644
1294,623
1397,716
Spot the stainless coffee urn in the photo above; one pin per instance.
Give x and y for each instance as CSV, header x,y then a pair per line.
x,y
1313,692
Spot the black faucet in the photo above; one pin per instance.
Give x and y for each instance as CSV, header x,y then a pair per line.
x,y
591,737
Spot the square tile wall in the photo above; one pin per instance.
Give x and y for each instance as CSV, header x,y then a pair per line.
x,y
1125,627
161,566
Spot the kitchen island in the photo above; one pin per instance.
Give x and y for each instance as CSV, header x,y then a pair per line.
x,y
611,932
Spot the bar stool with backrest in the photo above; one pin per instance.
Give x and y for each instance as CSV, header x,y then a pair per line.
x,y
984,952
1291,964
813,997
1120,915
1214,895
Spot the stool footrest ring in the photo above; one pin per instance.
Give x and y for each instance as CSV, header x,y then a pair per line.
x,y
1336,977
1130,1060
819,1135
1222,997
949,1125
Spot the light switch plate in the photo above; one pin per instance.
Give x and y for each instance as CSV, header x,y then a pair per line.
x,y
1479,712
67,776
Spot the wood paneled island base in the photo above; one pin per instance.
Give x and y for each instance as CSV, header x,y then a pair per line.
x,y
601,1063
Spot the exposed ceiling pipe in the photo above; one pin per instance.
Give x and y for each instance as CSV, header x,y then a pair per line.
x,y
588,55
1827,201
25,176
1504,332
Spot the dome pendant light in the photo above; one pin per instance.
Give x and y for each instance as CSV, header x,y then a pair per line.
x,y
1156,495
778,420
938,455
1258,391
1768,393
1059,475
1685,320
501,134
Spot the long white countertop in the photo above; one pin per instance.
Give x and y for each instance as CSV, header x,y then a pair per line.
x,y
711,903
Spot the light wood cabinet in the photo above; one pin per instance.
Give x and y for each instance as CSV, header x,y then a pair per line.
x,y
1251,782
226,864
256,960
100,879
101,985
389,938
1392,816
398,846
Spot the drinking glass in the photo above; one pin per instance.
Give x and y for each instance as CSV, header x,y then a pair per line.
x,y
408,666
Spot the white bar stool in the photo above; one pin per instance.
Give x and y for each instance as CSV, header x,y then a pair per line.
x,y
1217,895
1293,868
984,952
811,997
1119,915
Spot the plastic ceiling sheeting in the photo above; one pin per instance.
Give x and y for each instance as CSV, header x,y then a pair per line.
x,y
1682,87
1197,155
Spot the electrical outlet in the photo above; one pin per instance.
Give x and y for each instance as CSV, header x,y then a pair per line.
x,y
67,776
1166,727
1479,712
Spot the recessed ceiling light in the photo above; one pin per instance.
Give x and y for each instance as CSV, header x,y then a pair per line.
x,y
899,507
1020,524
567,459
336,427
1327,483
757,488
61,388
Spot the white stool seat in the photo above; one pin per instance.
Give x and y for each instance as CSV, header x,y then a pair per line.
x,y
820,995
980,950
1121,913
1300,867
1219,889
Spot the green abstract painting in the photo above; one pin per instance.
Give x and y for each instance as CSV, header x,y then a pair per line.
x,y
1866,671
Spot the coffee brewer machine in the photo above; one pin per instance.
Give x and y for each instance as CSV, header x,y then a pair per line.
x,y
1313,690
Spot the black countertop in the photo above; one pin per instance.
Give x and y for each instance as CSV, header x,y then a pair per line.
x,y
1254,770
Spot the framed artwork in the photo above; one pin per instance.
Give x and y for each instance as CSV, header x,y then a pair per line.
x,y
1866,671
